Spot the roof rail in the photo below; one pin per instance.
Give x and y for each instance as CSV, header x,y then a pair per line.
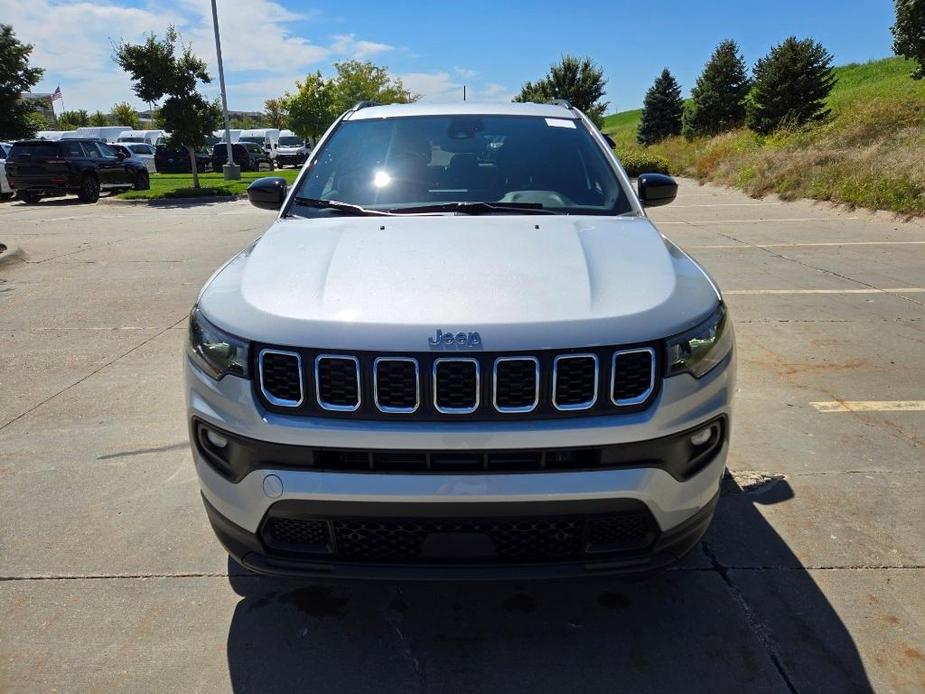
x,y
364,104
560,102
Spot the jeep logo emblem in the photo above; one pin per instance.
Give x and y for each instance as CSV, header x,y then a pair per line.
x,y
449,339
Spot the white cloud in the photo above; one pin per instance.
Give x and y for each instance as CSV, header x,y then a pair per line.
x,y
433,86
465,73
349,46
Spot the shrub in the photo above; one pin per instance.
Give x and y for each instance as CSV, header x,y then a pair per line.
x,y
639,161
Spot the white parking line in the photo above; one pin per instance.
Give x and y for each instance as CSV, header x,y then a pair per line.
x,y
732,246
870,290
870,406
756,221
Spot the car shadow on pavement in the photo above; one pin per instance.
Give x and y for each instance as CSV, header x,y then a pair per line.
x,y
761,626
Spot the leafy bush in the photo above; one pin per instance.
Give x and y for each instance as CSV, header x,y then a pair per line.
x,y
638,161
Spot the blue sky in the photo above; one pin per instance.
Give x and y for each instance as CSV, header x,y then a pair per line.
x,y
492,47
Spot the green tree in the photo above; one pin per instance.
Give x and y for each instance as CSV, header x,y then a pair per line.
x,y
361,80
662,110
791,85
717,102
909,33
99,119
16,77
159,68
577,80
123,114
312,107
71,120
275,113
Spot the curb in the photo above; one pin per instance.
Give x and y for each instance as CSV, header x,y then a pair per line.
x,y
175,202
9,254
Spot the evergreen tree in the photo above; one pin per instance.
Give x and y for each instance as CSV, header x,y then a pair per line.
x,y
791,85
662,110
909,33
717,101
577,80
16,77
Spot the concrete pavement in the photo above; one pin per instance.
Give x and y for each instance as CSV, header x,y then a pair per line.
x,y
809,580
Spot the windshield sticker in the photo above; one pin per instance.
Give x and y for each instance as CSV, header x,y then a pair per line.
x,y
560,123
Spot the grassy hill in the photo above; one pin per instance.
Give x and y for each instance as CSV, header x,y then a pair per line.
x,y
870,153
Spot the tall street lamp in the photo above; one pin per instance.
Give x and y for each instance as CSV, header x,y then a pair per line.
x,y
230,170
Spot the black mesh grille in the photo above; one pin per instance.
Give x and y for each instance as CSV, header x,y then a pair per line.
x,y
515,384
575,381
513,539
396,385
632,375
620,531
456,385
281,377
337,382
296,535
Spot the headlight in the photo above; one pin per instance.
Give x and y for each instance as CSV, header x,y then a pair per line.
x,y
215,351
699,350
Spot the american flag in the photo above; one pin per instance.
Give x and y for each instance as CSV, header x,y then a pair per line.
x,y
56,95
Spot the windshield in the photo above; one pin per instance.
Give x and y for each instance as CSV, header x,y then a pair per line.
x,y
423,161
287,141
255,140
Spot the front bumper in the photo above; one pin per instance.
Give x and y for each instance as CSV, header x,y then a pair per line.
x,y
680,509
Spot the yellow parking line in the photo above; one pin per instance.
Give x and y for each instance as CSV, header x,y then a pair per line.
x,y
870,406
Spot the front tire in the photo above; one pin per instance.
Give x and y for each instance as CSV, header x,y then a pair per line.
x,y
142,182
89,189
28,197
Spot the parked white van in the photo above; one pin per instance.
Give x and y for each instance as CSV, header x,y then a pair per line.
x,y
268,138
106,133
292,149
147,137
54,135
234,132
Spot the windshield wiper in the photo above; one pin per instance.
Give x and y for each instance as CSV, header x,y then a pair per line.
x,y
476,208
341,207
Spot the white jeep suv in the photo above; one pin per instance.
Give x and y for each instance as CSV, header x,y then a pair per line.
x,y
462,350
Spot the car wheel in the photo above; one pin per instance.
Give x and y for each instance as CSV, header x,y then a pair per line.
x,y
28,197
272,166
5,196
89,189
141,181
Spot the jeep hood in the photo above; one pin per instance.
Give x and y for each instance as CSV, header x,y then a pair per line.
x,y
522,282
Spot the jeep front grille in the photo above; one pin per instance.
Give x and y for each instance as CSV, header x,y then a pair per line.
x,y
470,386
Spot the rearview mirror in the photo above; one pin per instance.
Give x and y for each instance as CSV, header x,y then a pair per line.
x,y
656,189
267,193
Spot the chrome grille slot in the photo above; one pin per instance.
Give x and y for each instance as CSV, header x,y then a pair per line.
x,y
516,384
574,381
632,376
397,384
337,382
281,377
456,385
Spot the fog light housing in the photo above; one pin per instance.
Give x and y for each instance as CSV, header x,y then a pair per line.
x,y
699,438
216,439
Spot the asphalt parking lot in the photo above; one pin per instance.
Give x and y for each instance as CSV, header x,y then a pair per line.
x,y
809,580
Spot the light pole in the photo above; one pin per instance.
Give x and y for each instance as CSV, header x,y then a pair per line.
x,y
230,170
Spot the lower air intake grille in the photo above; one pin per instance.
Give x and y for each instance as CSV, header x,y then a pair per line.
x,y
463,540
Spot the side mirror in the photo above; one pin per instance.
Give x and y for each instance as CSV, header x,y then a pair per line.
x,y
656,189
267,193
609,140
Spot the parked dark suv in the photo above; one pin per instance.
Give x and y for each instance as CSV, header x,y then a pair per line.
x,y
248,155
176,160
41,168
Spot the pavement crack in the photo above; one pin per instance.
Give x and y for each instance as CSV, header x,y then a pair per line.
x,y
761,631
92,373
417,666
